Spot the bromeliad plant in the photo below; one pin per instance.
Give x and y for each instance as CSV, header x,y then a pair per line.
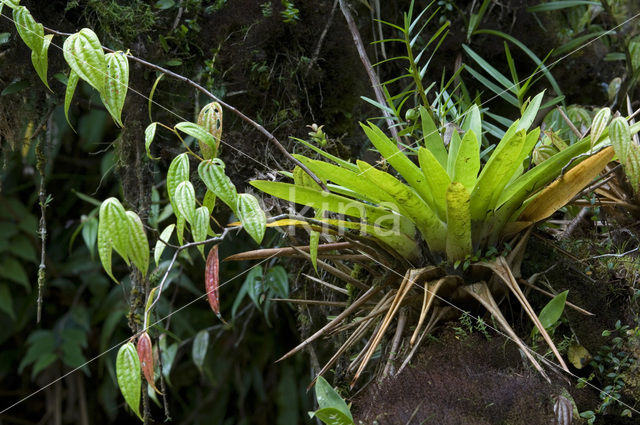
x,y
449,209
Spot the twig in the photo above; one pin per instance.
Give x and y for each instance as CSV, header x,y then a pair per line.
x,y
316,51
242,116
614,255
353,28
569,123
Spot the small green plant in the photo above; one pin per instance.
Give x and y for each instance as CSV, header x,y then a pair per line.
x,y
614,366
290,14
332,409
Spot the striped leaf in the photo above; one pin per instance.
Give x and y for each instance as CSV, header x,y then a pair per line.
x,y
212,174
178,173
252,216
138,244
200,227
113,233
72,82
201,135
620,137
149,135
40,60
29,30
632,167
160,245
185,198
128,374
599,124
210,118
83,52
115,85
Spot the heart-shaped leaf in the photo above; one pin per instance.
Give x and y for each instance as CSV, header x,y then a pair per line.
x,y
83,52
40,60
599,124
128,374
149,135
116,83
252,216
620,137
212,174
72,82
177,173
113,233
138,244
29,30
164,236
199,348
200,227
210,118
185,198
202,136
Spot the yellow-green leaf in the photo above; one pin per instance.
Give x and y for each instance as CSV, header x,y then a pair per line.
x,y
467,163
116,83
437,179
139,246
83,52
407,169
212,174
209,200
149,135
458,222
40,60
252,216
432,139
72,82
128,374
496,174
31,32
632,167
160,245
418,211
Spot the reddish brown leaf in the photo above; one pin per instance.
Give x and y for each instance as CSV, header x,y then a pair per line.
x,y
145,353
212,280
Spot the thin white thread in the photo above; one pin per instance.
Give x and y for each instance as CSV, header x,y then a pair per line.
x,y
413,282
130,338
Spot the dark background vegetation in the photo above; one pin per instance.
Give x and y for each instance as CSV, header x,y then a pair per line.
x,y
247,53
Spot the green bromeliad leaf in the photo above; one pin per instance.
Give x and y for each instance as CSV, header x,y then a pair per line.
x,y
212,174
116,83
252,216
467,163
418,211
160,245
201,135
128,374
437,179
496,174
319,199
72,82
139,246
113,233
185,197
200,227
149,135
432,139
83,52
458,222
398,160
